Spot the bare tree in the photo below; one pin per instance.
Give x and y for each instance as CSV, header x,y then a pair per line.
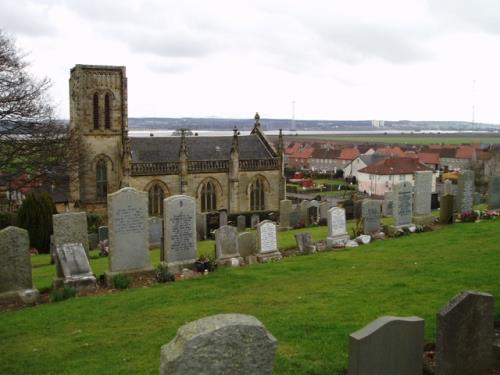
x,y
32,142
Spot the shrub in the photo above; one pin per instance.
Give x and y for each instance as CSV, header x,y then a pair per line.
x,y
121,281
35,215
163,275
94,221
7,219
61,294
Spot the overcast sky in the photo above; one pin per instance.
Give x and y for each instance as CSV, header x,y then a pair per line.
x,y
337,59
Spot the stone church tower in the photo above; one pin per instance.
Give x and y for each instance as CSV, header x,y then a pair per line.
x,y
98,118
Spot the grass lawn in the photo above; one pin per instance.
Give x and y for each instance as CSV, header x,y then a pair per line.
x,y
309,303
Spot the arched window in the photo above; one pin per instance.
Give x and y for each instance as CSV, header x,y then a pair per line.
x,y
107,112
101,179
156,196
95,112
208,197
257,195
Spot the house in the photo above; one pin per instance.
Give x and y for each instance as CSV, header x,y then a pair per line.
x,y
323,160
360,162
429,159
379,178
298,156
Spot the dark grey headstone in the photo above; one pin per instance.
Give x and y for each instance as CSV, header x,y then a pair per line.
x,y
254,220
222,218
247,244
494,192
295,218
465,191
388,205
402,209
285,210
220,344
304,242
93,240
387,346
423,192
371,216
201,226
155,225
241,222
465,335
103,233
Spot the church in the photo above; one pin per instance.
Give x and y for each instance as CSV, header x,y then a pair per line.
x,y
240,174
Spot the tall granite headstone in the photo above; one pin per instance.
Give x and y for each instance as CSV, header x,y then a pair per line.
x,y
71,227
226,244
423,192
494,192
465,191
464,336
370,212
102,231
15,264
220,344
201,226
155,225
267,244
446,209
388,205
73,268
241,223
128,233
337,230
285,210
402,209
389,345
179,232
304,212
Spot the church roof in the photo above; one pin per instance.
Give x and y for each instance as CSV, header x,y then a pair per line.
x,y
160,149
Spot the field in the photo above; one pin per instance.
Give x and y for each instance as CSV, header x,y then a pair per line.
x,y
417,139
309,303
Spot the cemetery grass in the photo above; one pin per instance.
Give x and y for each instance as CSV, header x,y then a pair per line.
x,y
309,303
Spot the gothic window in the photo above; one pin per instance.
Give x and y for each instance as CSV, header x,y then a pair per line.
x,y
101,179
208,197
257,195
156,196
107,112
95,112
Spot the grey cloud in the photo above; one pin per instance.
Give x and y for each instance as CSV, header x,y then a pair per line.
x,y
26,18
169,67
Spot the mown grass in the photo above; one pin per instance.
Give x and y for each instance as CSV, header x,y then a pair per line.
x,y
309,303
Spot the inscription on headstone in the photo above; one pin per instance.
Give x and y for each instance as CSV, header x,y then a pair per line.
x,y
71,227
371,216
267,236
337,232
403,209
73,268
155,225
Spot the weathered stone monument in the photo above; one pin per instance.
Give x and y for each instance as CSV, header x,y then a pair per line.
x,y
222,218
201,226
71,227
15,266
128,233
422,198
73,268
389,345
313,212
448,187
402,209
247,244
465,191
102,231
254,220
267,244
494,192
370,213
337,231
304,212
295,216
155,225
465,335
226,245
388,205
220,344
446,209
241,223
285,210
93,240
304,243
179,223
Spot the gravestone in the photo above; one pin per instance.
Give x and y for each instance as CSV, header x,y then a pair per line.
x,y
93,240
267,244
241,223
422,198
465,191
323,210
446,209
304,212
220,344
494,192
15,266
71,227
402,209
247,244
179,223
337,232
356,209
226,245
155,225
285,211
313,212
295,217
389,345
464,335
304,243
128,233
370,212
254,220
388,205
73,268
103,233
448,187
222,218
201,226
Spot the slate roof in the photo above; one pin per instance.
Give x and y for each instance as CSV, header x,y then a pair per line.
x,y
395,166
372,158
160,149
323,153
